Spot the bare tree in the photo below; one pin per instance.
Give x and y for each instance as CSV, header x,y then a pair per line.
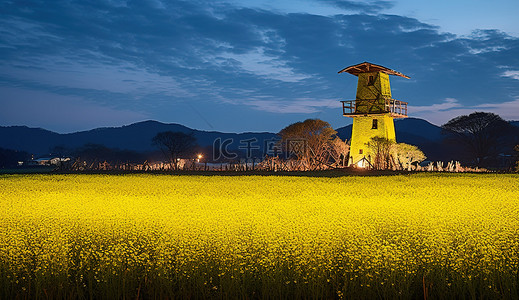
x,y
174,145
310,143
480,133
339,151
381,149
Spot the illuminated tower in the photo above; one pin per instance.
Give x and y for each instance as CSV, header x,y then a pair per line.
x,y
372,110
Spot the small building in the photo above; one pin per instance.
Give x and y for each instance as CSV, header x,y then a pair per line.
x,y
47,161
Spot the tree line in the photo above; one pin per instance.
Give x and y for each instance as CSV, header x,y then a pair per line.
x,y
479,138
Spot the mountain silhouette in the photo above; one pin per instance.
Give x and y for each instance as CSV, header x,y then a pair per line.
x,y
137,137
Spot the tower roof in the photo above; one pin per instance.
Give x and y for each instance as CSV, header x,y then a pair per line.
x,y
367,67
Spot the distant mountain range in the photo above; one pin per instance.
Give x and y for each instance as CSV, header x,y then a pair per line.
x,y
138,136
134,137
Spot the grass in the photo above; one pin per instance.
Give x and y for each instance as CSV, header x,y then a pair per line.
x,y
163,236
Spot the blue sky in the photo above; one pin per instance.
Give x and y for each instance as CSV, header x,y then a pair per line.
x,y
249,65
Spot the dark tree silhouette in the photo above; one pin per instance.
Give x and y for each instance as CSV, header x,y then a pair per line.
x,y
10,158
516,148
480,133
99,153
174,145
59,151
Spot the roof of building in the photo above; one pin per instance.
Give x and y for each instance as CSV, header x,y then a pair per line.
x,y
367,67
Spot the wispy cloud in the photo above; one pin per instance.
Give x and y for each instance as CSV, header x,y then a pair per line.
x,y
124,78
294,106
156,56
258,63
361,6
440,113
447,104
508,110
511,74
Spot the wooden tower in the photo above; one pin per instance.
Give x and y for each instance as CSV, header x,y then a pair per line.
x,y
373,109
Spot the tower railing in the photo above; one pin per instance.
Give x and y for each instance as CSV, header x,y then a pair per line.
x,y
360,107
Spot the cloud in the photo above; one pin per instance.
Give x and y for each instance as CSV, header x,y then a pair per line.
x,y
156,56
124,78
296,106
508,110
359,6
440,113
511,74
447,104
256,62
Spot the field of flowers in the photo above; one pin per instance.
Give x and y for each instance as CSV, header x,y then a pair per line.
x,y
163,236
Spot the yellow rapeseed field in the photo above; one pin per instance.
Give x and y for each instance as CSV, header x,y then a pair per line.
x,y
165,236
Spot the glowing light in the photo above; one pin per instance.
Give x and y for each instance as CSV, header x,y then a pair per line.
x,y
361,163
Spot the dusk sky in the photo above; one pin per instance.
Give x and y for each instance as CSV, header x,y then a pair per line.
x,y
257,65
